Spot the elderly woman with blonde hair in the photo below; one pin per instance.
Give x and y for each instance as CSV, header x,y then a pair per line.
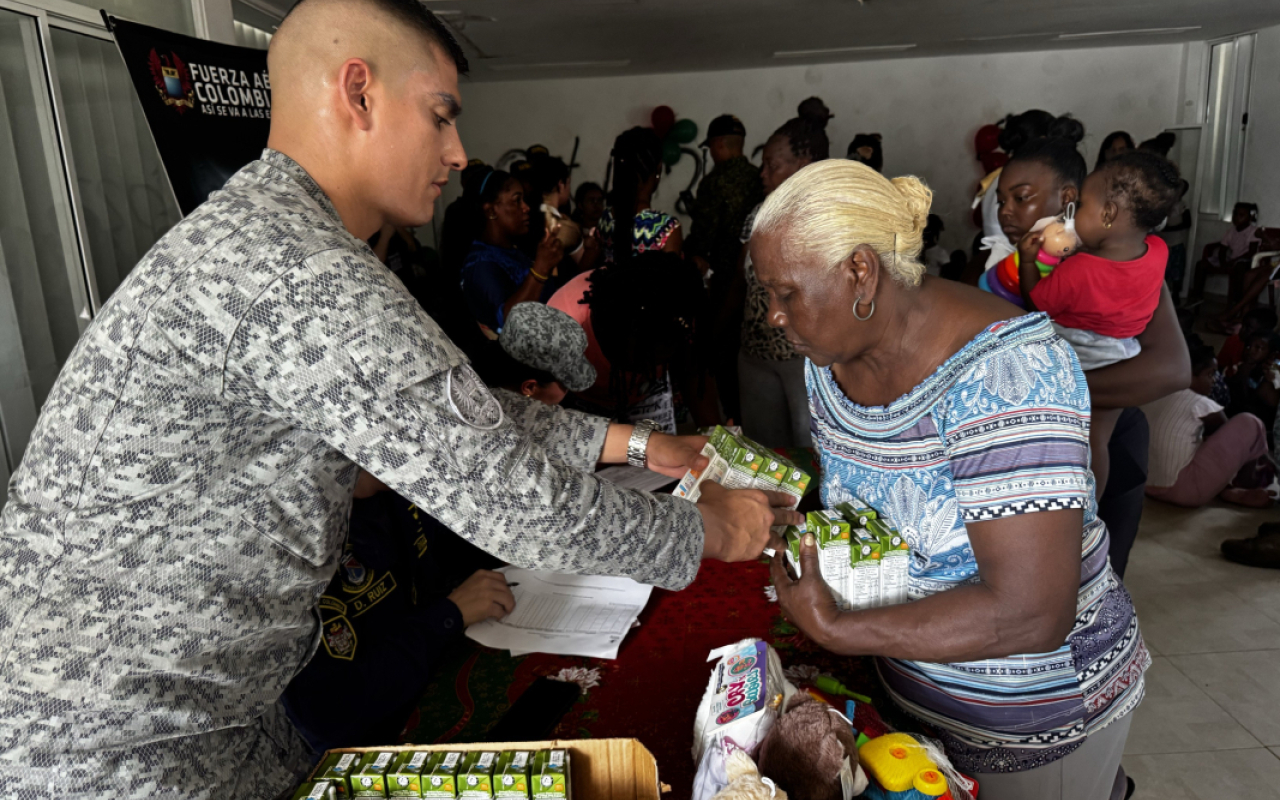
x,y
966,424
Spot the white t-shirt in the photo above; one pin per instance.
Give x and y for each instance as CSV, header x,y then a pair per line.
x,y
1238,242
1176,433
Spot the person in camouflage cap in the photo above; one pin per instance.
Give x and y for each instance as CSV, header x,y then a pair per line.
x,y
551,347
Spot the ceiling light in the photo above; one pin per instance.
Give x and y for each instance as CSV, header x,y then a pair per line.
x,y
1006,36
561,65
831,51
1134,32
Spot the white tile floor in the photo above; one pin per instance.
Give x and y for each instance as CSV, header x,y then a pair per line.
x,y
1209,728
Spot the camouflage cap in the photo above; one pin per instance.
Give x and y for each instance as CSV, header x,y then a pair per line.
x,y
550,340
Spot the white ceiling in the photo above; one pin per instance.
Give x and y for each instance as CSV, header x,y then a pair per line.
x,y
535,39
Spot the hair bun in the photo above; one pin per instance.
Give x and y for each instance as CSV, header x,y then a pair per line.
x,y
814,112
1066,127
918,199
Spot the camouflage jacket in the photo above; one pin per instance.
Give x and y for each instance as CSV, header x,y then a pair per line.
x,y
725,197
185,495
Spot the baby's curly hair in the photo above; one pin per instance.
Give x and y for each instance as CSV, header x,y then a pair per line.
x,y
1148,185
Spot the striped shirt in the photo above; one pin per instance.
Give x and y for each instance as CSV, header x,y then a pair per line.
x,y
1002,428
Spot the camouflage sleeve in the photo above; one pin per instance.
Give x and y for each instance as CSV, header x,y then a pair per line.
x,y
364,368
570,437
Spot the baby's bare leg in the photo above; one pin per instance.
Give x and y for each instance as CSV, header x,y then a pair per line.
x,y
1100,430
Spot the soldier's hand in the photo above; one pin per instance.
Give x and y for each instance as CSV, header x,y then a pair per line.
x,y
485,595
675,455
737,521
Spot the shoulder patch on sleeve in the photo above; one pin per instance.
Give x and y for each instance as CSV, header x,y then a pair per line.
x,y
471,400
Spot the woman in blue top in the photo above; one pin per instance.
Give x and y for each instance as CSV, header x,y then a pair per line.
x,y
967,426
496,275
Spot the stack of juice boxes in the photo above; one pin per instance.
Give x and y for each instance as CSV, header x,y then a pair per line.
x,y
863,559
739,463
476,775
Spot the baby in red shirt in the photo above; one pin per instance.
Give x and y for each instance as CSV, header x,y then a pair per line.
x,y
1102,297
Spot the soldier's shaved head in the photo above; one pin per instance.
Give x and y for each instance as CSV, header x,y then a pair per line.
x,y
364,96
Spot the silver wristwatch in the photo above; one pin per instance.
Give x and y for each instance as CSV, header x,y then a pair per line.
x,y
638,444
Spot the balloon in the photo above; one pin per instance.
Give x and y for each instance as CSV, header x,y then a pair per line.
x,y
662,119
670,152
685,131
986,140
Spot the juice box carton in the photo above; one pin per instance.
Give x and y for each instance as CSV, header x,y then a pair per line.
x,y
857,513
370,776
440,774
795,483
744,463
865,556
792,535
895,563
833,552
337,767
404,776
475,776
317,790
550,775
511,774
690,486
772,471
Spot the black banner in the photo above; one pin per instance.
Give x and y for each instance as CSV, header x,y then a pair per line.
x,y
208,104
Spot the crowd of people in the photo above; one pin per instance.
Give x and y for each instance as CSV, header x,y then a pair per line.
x,y
294,446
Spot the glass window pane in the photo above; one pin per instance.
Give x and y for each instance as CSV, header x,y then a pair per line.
x,y
253,27
124,195
1221,69
172,15
41,283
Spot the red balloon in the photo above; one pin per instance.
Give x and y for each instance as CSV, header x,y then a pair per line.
x,y
993,161
662,119
987,140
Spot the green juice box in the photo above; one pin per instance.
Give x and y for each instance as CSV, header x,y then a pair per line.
x,y
833,553
690,486
317,790
865,557
337,767
370,776
550,775
792,535
795,483
895,563
771,472
475,775
511,774
857,513
744,463
440,774
404,776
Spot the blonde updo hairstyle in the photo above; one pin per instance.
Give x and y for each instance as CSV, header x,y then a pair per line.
x,y
830,207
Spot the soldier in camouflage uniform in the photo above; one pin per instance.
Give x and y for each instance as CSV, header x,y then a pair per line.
x,y
184,498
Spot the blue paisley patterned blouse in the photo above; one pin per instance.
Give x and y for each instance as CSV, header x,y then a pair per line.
x,y
1002,428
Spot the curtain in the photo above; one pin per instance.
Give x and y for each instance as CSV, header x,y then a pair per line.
x,y
125,197
41,287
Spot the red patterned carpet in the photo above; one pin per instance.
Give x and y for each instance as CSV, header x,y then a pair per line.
x,y
651,692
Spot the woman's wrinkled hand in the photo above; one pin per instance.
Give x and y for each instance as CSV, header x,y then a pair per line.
x,y
807,601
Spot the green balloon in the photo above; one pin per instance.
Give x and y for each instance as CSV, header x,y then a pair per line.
x,y
671,152
685,131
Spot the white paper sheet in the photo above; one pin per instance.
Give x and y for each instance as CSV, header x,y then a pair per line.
x,y
629,477
570,615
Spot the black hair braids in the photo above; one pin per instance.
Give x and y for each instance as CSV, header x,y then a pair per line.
x,y
637,155
1148,185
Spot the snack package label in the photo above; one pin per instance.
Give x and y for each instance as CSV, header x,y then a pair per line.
x,y
475,776
511,775
404,777
864,590
740,689
440,775
550,775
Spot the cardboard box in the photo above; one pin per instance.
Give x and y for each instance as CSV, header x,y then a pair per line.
x,y
404,776
602,769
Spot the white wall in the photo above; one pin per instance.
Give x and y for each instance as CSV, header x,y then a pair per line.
x,y
1261,183
927,109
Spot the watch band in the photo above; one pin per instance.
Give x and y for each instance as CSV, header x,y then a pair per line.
x,y
638,444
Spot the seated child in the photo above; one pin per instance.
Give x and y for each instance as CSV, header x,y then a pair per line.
x,y
1236,250
1103,296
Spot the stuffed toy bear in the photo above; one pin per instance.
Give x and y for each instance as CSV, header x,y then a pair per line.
x,y
805,751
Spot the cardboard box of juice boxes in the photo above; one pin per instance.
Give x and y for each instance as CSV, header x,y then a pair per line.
x,y
863,559
620,768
